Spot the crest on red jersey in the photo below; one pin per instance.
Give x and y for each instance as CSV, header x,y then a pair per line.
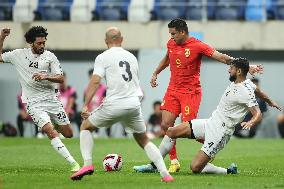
x,y
186,53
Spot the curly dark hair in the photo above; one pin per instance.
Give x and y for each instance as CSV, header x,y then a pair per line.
x,y
35,31
241,63
179,25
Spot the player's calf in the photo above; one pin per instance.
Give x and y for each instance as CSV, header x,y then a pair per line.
x,y
50,131
199,162
66,131
196,168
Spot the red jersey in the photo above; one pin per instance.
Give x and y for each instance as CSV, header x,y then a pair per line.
x,y
185,61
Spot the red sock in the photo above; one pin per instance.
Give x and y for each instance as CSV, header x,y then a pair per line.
x,y
173,153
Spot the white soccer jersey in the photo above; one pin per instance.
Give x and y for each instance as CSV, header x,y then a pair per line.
x,y
27,64
120,69
234,104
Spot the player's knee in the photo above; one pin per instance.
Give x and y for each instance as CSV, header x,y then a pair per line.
x,y
167,123
86,125
195,168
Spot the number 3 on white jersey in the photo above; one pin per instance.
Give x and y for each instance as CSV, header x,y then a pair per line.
x,y
127,77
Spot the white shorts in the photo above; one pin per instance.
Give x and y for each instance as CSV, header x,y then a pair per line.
x,y
131,118
48,111
214,136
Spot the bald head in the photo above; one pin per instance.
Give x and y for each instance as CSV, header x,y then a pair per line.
x,y
113,37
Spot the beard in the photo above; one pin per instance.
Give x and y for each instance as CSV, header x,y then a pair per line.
x,y
232,78
38,51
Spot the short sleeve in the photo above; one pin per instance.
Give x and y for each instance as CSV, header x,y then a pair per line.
x,y
252,101
206,49
253,86
99,67
248,97
9,57
55,65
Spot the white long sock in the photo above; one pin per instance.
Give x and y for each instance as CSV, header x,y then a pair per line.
x,y
86,146
210,168
166,145
61,149
154,155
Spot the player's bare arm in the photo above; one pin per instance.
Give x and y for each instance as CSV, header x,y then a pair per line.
x,y
57,78
256,118
4,33
253,69
163,64
92,88
222,57
260,94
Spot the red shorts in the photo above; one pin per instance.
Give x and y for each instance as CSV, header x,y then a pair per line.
x,y
185,103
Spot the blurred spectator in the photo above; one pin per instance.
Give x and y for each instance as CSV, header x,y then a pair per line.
x,y
23,117
99,95
7,129
154,122
239,132
280,122
68,98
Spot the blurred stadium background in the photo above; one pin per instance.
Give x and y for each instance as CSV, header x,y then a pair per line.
x,y
246,28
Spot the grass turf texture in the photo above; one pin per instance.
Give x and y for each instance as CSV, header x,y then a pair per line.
x,y
32,163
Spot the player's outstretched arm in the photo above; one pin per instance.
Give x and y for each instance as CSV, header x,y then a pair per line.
x,y
223,58
260,94
163,64
253,69
4,33
256,118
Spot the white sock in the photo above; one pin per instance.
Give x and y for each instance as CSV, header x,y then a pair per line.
x,y
166,145
86,146
210,168
154,155
61,149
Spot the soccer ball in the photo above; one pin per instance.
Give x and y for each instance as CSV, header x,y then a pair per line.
x,y
112,162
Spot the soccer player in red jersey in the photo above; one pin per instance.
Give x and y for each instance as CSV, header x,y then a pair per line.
x,y
184,93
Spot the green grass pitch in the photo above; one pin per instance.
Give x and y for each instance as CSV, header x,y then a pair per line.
x,y
32,164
